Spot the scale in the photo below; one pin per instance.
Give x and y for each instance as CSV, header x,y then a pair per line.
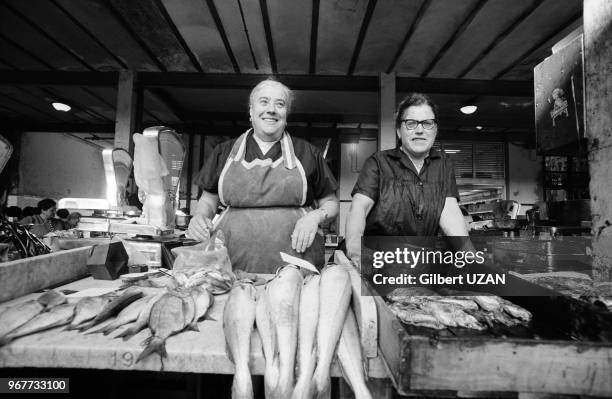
x,y
113,215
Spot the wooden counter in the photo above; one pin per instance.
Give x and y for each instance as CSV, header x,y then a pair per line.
x,y
189,351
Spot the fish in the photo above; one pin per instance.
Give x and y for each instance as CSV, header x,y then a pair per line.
x,y
351,357
51,298
452,315
114,306
86,309
415,316
238,322
267,335
129,314
203,301
18,315
170,314
461,302
284,299
517,312
307,330
58,316
335,294
490,303
142,321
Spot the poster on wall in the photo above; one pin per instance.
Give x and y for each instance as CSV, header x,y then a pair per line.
x,y
559,100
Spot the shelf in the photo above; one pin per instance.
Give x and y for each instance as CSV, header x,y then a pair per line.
x,y
479,201
478,212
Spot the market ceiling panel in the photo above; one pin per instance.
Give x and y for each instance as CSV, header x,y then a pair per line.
x,y
32,39
290,26
202,37
391,22
339,24
249,49
546,22
58,26
13,56
147,23
468,48
439,22
22,98
98,21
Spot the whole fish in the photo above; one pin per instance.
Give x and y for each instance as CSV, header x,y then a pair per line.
x,y
114,306
268,343
52,298
238,320
351,358
170,314
86,309
58,316
490,303
307,330
464,303
18,315
284,300
142,321
452,315
129,314
335,296
415,316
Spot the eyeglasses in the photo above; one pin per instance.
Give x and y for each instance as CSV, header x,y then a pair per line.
x,y
412,124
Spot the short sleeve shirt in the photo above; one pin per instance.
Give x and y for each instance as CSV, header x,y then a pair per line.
x,y
320,180
406,203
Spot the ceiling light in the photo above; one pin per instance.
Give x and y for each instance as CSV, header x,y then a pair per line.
x,y
468,109
478,127
450,151
61,107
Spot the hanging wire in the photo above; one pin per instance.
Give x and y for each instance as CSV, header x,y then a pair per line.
x,y
246,31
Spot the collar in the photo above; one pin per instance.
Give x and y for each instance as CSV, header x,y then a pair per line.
x,y
397,153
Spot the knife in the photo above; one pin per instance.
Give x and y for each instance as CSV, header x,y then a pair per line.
x,y
298,262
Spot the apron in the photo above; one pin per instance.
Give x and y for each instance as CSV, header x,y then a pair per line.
x,y
264,200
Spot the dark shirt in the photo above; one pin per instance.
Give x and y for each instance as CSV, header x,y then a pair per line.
x,y
320,180
406,202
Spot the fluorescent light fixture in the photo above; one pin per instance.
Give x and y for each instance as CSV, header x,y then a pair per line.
x,y
451,151
468,109
61,107
478,127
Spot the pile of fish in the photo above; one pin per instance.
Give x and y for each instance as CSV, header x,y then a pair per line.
x,y
302,323
575,285
164,312
422,307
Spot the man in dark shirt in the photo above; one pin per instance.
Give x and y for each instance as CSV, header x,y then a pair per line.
x,y
407,191
271,184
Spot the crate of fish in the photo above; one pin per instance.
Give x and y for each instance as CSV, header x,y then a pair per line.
x,y
454,341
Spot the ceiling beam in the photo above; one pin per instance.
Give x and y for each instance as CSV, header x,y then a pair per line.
x,y
263,4
456,35
511,28
177,34
53,40
360,38
228,48
59,78
26,51
135,36
93,37
314,37
415,22
195,80
572,20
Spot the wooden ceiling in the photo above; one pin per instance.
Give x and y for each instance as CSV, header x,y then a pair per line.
x,y
195,60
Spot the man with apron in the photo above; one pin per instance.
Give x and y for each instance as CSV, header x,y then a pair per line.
x,y
269,183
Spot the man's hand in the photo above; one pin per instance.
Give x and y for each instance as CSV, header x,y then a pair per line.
x,y
199,228
305,230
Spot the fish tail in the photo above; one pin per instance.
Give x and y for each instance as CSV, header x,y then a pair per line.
x,y
155,345
84,326
127,334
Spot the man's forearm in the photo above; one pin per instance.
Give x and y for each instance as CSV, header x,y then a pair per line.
x,y
328,209
207,205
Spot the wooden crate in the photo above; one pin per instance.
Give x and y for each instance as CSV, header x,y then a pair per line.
x,y
472,364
